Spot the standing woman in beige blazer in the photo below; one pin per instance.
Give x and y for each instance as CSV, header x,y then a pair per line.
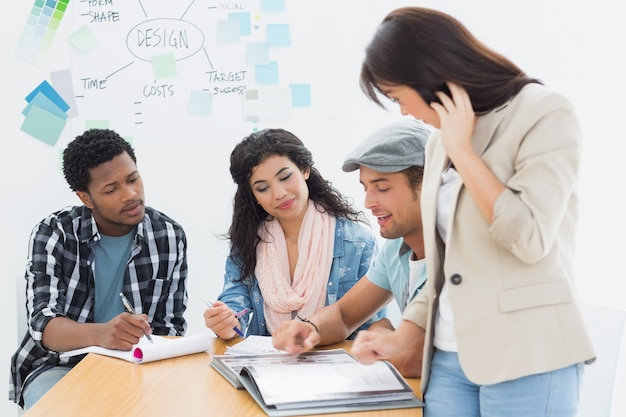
x,y
502,329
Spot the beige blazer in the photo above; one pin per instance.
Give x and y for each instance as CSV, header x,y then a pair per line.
x,y
510,284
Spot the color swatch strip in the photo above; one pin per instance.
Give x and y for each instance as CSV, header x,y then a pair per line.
x,y
42,24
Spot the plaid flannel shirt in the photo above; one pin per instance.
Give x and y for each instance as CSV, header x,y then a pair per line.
x,y
60,282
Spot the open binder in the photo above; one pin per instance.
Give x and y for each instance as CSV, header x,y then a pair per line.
x,y
318,382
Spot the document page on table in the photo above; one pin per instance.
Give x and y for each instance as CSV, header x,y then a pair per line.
x,y
304,382
253,344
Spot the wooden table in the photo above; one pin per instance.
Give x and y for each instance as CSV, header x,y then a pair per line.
x,y
186,386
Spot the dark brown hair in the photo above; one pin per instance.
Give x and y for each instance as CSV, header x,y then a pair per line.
x,y
423,49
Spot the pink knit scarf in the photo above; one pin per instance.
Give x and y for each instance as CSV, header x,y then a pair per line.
x,y
307,292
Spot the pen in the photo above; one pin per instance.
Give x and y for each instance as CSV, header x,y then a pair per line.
x,y
130,310
235,328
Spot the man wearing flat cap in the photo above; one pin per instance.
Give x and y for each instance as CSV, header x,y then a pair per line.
x,y
390,163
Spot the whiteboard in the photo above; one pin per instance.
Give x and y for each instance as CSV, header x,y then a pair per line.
x,y
108,49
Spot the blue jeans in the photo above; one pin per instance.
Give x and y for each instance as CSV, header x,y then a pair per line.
x,y
449,393
38,386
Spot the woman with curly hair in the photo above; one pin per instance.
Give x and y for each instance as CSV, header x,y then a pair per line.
x,y
297,244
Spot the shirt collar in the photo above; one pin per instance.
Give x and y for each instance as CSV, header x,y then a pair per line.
x,y
89,228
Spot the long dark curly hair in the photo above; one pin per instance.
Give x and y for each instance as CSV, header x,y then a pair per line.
x,y
248,215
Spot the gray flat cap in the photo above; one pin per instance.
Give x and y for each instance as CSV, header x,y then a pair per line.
x,y
392,148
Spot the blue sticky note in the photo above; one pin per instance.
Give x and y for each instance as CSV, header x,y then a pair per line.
x,y
228,31
267,74
300,95
200,103
273,6
43,125
244,22
257,53
44,19
42,101
278,34
46,89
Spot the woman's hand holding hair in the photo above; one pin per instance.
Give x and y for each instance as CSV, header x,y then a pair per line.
x,y
456,121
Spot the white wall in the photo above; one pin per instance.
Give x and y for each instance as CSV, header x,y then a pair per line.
x,y
577,50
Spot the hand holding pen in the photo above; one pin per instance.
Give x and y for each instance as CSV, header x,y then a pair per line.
x,y
130,309
211,322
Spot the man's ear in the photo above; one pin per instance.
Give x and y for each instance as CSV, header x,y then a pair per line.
x,y
85,198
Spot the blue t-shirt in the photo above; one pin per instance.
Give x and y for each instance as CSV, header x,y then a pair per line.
x,y
111,257
390,271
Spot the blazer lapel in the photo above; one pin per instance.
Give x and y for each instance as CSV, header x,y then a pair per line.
x,y
485,128
436,165
482,136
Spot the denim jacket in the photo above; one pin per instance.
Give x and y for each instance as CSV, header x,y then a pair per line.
x,y
354,250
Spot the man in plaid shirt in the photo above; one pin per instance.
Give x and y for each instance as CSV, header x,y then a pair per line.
x,y
81,258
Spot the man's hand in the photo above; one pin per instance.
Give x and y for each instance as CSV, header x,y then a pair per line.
x,y
370,346
123,331
408,361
